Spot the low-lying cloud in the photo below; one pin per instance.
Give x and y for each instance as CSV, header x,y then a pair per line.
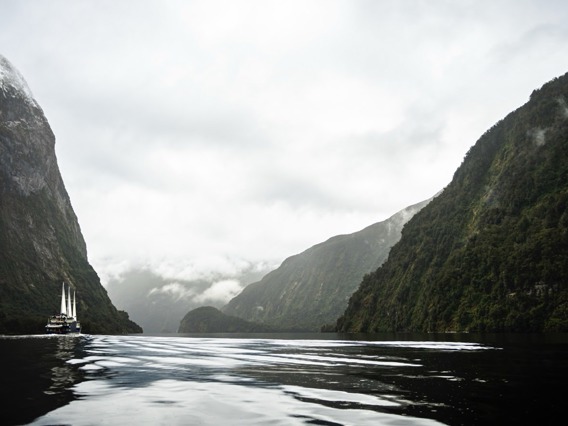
x,y
563,107
158,304
538,136
220,292
176,291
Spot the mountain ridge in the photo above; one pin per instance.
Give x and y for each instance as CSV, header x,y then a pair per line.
x,y
312,288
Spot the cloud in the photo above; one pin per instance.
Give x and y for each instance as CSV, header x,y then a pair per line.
x,y
196,138
176,291
538,136
563,107
220,291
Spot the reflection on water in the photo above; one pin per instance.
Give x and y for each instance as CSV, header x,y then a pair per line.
x,y
36,377
265,380
63,376
216,381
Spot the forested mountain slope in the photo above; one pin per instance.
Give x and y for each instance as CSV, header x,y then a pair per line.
x,y
208,319
491,252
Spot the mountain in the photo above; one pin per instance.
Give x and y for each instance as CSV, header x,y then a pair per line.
x,y
208,319
158,304
41,244
491,252
312,289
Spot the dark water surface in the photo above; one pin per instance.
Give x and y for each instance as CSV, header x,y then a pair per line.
x,y
279,379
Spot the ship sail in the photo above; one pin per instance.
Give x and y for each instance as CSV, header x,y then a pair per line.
x,y
74,311
69,311
63,304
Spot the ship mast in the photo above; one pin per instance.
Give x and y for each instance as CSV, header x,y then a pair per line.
x,y
63,304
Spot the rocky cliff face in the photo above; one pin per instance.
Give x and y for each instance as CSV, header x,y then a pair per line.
x,y
312,289
491,252
41,243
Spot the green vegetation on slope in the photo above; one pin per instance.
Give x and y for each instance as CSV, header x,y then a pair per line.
x,y
491,252
208,319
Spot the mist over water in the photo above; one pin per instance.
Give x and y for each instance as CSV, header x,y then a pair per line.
x,y
281,380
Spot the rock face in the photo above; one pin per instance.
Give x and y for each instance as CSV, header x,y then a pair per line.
x,y
312,289
208,319
41,244
491,252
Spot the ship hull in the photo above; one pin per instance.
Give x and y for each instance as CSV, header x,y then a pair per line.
x,y
60,325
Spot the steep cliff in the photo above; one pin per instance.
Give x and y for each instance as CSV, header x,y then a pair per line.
x,y
312,289
41,244
491,252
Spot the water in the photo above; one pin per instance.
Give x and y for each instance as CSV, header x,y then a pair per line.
x,y
321,379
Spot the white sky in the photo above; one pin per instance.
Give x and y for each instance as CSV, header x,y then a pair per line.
x,y
200,137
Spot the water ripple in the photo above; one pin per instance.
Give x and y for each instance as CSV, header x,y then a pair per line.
x,y
206,381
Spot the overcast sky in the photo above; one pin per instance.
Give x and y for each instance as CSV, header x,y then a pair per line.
x,y
208,136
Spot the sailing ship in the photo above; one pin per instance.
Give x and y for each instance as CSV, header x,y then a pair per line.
x,y
66,321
